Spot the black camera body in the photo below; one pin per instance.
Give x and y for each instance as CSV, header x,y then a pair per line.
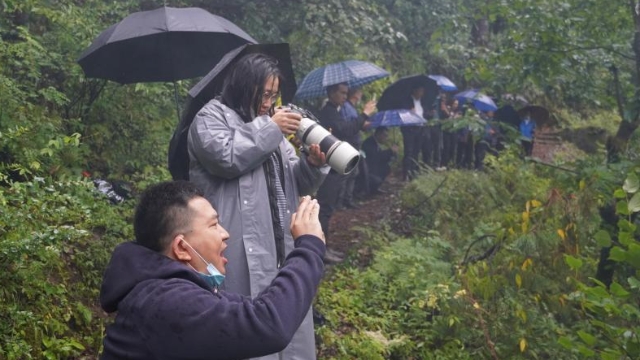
x,y
341,156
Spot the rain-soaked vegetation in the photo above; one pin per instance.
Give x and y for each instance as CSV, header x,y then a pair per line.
x,y
520,261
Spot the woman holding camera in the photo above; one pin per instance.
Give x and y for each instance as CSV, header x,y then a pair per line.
x,y
247,169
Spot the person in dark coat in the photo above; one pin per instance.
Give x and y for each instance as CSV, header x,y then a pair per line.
x,y
329,192
378,159
412,136
164,285
350,113
488,142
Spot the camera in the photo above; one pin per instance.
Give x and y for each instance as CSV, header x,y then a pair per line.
x,y
341,156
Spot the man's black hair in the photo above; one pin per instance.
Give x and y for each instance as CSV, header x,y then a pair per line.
x,y
243,87
380,130
334,87
163,212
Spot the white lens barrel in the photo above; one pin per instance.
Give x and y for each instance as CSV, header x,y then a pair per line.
x,y
341,156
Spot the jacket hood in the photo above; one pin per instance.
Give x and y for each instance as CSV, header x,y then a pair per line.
x,y
132,264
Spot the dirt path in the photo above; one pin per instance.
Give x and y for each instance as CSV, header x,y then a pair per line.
x,y
370,213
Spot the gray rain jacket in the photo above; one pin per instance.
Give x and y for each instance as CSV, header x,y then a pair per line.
x,y
226,157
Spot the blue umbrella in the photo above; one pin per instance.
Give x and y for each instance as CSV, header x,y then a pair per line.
x,y
479,100
444,83
396,117
353,72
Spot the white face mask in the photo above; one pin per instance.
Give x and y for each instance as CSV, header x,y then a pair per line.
x,y
215,278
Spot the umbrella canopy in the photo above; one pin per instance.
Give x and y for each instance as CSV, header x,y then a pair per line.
x,y
398,117
479,100
508,115
444,83
353,72
211,86
398,94
538,113
166,44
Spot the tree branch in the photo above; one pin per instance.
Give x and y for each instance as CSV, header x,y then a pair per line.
x,y
616,84
409,211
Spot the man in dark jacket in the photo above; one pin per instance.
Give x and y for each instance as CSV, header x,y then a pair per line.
x,y
329,192
412,136
378,159
164,285
349,112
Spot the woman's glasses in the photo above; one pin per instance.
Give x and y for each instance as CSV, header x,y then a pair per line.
x,y
270,96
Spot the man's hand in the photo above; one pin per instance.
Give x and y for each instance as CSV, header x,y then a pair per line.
x,y
316,157
369,108
305,220
287,121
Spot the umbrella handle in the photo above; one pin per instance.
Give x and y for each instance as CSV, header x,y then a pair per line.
x,y
175,94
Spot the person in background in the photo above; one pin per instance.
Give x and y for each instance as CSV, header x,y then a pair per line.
x,y
449,140
350,113
412,136
240,158
527,132
464,155
488,141
378,159
432,148
329,192
165,285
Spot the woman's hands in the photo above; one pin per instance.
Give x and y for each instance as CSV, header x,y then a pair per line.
x,y
287,121
305,220
316,157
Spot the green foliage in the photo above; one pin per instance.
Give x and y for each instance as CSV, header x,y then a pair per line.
x,y
611,313
55,243
499,263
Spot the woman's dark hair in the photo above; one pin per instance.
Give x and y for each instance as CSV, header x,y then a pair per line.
x,y
163,211
243,87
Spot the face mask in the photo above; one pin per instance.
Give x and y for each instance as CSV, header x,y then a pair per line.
x,y
214,278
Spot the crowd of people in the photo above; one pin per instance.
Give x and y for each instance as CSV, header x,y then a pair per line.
x,y
226,265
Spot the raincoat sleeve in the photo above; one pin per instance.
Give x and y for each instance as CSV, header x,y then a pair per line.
x,y
308,177
191,322
226,146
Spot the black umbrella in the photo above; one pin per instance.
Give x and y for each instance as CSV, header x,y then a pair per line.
x,y
211,86
538,113
166,44
508,115
398,94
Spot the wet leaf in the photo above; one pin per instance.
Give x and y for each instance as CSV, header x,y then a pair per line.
x,y
603,239
631,184
523,344
573,262
587,338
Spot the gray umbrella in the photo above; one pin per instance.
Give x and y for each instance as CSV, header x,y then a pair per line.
x,y
166,44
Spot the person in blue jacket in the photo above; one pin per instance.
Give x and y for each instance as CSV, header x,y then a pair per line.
x,y
164,285
527,129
